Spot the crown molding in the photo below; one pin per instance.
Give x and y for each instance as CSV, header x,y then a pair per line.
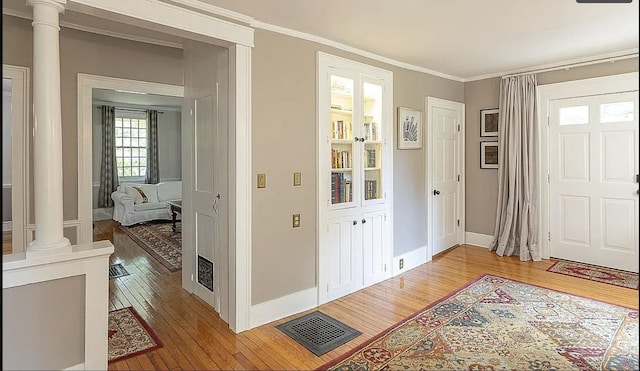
x,y
563,65
99,31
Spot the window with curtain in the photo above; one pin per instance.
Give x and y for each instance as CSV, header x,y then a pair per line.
x,y
131,143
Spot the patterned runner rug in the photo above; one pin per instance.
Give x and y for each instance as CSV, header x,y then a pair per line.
x,y
159,240
129,335
596,273
495,323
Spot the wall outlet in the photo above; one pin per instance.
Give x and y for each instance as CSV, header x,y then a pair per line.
x,y
401,263
297,179
296,220
262,180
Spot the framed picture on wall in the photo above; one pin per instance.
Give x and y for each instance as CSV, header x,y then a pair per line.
x,y
409,128
489,155
489,122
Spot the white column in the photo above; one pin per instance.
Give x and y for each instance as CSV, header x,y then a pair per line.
x,y
47,182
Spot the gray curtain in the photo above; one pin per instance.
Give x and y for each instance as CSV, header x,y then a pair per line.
x,y
517,214
108,169
153,169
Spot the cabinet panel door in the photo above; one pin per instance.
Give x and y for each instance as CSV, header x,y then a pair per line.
x,y
375,247
343,268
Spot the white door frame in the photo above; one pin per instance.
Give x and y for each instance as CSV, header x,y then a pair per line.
x,y
165,17
19,153
429,103
579,88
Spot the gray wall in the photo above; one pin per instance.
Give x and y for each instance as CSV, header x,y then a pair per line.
x,y
482,184
82,52
284,141
43,325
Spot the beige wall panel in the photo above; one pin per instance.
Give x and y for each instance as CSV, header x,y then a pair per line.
x,y
284,141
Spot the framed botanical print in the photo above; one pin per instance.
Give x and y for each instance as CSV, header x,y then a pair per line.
x,y
409,128
489,122
489,155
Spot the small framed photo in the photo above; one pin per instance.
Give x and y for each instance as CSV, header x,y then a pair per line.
x,y
409,128
489,122
489,155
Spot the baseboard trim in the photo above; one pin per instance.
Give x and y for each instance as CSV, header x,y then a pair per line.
x,y
478,239
79,366
285,306
411,259
7,226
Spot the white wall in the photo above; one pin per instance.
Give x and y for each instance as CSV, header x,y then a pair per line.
x,y
169,147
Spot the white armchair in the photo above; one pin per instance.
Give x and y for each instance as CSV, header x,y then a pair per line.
x,y
137,203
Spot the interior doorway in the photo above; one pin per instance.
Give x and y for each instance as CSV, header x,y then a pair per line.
x,y
445,174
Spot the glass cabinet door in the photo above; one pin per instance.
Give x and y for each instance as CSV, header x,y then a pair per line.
x,y
372,141
342,139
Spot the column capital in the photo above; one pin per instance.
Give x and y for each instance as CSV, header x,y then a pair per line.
x,y
59,5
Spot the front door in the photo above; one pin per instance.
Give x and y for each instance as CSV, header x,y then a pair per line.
x,y
445,125
593,187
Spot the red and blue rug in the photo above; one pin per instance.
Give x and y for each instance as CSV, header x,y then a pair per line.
x,y
596,273
129,335
160,241
494,323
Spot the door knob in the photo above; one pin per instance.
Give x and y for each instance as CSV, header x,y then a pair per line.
x,y
436,192
364,221
355,222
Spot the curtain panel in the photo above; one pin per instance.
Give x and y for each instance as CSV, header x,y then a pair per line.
x,y
153,167
108,167
518,214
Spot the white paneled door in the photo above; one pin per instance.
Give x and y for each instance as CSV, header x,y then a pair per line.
x,y
201,92
593,186
445,125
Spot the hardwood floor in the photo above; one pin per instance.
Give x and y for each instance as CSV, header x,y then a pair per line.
x,y
195,338
7,247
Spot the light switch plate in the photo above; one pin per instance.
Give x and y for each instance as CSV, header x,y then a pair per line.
x,y
262,180
297,179
296,220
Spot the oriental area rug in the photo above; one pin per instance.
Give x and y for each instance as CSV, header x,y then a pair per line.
x,y
160,241
596,273
129,335
494,323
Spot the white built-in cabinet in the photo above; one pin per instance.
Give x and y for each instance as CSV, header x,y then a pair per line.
x,y
355,133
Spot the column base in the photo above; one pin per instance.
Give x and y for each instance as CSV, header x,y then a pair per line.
x,y
36,248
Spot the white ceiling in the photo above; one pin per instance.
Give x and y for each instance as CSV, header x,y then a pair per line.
x,y
462,38
459,39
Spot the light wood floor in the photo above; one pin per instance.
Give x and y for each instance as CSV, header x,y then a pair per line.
x,y
6,243
195,338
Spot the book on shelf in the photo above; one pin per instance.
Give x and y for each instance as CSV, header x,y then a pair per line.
x,y
370,189
341,129
340,159
367,131
347,191
371,158
374,131
341,189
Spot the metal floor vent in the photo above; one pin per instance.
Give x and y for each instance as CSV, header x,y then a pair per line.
x,y
117,270
318,332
